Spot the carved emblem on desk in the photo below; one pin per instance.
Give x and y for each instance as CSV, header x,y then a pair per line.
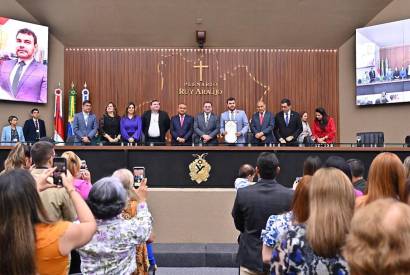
x,y
199,169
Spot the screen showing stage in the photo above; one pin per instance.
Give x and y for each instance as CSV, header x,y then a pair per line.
x,y
23,61
383,63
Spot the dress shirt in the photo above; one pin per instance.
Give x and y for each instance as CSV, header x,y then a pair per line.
x,y
153,130
13,72
86,115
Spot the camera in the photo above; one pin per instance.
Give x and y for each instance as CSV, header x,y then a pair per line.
x,y
139,175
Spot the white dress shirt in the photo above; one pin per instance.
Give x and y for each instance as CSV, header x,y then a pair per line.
x,y
153,130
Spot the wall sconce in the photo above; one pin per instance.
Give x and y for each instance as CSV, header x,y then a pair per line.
x,y
201,38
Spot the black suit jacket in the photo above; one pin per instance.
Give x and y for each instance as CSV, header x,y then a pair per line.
x,y
29,130
252,208
294,127
163,121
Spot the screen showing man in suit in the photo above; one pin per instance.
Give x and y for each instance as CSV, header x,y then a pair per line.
x,y
23,61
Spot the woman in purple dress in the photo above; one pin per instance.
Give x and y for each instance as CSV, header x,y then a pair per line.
x,y
131,125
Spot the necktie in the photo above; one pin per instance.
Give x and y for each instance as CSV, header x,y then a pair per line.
x,y
37,129
16,78
36,123
206,119
181,120
231,115
287,119
261,118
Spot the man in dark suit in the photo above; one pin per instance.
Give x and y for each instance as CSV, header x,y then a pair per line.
x,y
34,128
182,127
206,126
252,207
85,125
262,125
155,124
288,124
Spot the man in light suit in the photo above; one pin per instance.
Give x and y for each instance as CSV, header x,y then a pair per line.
x,y
252,207
206,126
24,78
262,125
288,124
242,124
34,128
85,125
182,127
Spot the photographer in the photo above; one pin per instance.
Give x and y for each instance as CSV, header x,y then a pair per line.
x,y
82,177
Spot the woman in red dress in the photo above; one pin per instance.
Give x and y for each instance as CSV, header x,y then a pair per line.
x,y
324,128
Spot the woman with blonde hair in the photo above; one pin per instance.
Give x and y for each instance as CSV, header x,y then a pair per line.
x,y
19,157
314,247
379,239
406,164
386,180
82,178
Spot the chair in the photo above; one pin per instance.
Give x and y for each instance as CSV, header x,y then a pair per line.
x,y
370,139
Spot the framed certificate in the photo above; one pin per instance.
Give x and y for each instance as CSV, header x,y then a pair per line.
x,y
230,129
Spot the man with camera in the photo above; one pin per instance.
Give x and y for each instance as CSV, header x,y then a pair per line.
x,y
56,200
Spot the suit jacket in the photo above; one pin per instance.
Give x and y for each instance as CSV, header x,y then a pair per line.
x,y
81,130
267,126
183,132
163,121
33,83
6,135
29,130
242,124
252,207
211,129
294,127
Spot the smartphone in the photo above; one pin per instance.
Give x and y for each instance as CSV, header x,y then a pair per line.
x,y
139,174
61,164
83,165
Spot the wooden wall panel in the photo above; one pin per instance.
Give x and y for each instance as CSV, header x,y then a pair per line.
x,y
308,77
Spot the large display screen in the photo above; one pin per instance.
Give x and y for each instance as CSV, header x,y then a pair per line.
x,y
23,61
383,63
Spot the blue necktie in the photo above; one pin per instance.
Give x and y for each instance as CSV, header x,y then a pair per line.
x,y
287,119
16,78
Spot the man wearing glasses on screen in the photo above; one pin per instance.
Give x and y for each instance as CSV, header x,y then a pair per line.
x,y
24,78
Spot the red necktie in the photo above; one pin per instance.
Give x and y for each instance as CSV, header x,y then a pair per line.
x,y
181,120
261,118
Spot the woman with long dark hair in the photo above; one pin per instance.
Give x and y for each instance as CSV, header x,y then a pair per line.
x,y
110,125
131,125
324,128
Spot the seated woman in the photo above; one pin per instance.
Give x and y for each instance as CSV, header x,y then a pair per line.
x,y
110,125
82,178
131,125
112,248
324,128
315,246
278,225
12,134
306,136
29,243
19,157
386,180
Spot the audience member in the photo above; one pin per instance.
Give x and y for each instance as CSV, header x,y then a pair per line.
x,y
379,239
12,133
357,170
112,249
406,164
310,165
82,177
155,124
241,120
85,125
55,200
278,225
110,125
245,177
206,126
34,128
324,128
30,243
305,136
315,247
18,157
386,180
288,124
182,127
131,125
252,207
262,125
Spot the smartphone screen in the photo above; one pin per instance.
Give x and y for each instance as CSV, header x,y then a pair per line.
x,y
61,164
139,174
83,165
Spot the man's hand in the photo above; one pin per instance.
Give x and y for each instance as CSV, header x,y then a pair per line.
x,y
259,135
238,134
289,138
263,138
206,138
281,140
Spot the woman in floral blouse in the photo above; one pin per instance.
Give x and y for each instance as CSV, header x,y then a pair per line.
x,y
112,248
314,247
